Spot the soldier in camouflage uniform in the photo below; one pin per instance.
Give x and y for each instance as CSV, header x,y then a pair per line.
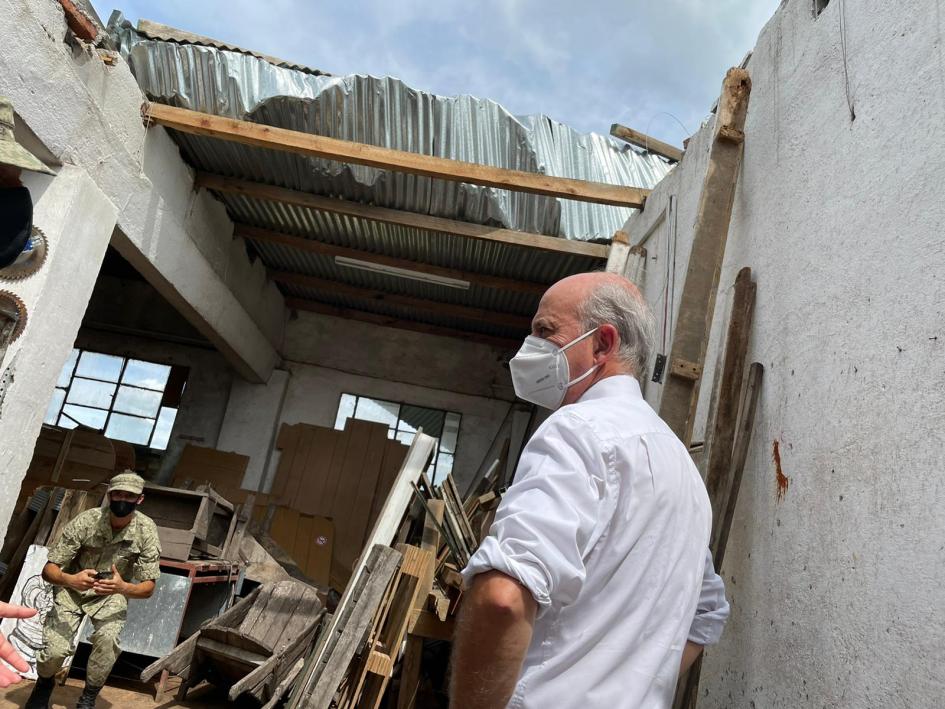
x,y
116,539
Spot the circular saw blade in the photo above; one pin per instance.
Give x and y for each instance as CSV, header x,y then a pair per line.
x,y
12,308
30,259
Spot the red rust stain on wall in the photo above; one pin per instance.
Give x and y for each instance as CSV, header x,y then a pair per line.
x,y
782,480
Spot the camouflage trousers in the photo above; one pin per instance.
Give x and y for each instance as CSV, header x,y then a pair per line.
x,y
59,636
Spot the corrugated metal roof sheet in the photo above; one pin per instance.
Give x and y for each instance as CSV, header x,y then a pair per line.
x,y
386,112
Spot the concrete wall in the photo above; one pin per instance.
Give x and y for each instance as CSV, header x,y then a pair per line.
x,y
836,590
88,113
327,357
77,220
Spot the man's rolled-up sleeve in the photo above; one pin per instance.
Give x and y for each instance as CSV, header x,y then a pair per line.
x,y
551,516
712,610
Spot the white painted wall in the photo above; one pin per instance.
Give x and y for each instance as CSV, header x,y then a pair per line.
x,y
327,357
837,590
77,220
88,113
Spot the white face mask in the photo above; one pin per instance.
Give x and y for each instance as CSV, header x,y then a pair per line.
x,y
540,372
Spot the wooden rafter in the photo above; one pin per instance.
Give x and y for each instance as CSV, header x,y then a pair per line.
x,y
263,136
267,236
377,296
399,323
258,190
642,140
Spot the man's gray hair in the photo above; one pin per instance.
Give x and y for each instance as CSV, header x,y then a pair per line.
x,y
614,304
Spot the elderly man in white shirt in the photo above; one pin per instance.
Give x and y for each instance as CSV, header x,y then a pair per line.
x,y
594,587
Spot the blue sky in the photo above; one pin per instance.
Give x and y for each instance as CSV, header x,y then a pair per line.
x,y
648,64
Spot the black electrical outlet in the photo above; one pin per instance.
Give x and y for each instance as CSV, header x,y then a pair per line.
x,y
658,368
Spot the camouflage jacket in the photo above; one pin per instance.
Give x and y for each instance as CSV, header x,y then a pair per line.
x,y
89,542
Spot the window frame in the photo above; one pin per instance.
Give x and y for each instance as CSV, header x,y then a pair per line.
x,y
117,384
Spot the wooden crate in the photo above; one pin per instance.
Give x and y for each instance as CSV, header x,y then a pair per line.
x,y
191,523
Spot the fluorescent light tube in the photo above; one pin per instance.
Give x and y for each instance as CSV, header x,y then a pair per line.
x,y
401,272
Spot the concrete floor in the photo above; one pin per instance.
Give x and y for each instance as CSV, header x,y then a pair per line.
x,y
124,696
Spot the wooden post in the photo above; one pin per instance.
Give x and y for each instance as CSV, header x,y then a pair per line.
x,y
697,304
618,254
687,689
718,474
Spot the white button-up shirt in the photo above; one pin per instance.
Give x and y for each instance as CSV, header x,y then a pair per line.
x,y
607,525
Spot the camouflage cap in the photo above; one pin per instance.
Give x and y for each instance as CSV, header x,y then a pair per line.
x,y
11,152
127,482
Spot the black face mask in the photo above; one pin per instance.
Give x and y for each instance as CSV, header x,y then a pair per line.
x,y
121,508
16,222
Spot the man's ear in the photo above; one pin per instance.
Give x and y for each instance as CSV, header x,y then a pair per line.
x,y
606,341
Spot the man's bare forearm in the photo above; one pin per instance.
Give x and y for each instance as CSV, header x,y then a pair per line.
x,y
689,655
138,590
493,635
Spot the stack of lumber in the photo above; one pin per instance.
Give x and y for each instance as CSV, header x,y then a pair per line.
x,y
327,493
80,459
40,522
405,590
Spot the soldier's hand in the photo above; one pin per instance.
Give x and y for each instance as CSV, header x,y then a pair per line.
x,y
83,580
110,587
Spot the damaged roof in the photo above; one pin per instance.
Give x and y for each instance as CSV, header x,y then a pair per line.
x,y
182,70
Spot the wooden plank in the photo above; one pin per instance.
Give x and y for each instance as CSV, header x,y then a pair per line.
x,y
314,246
312,306
61,458
642,140
317,146
394,455
410,673
321,478
746,423
349,536
636,265
286,443
425,624
377,296
320,550
401,493
411,220
348,629
722,439
369,482
697,303
687,690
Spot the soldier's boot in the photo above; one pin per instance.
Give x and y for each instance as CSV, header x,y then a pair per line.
x,y
42,691
88,697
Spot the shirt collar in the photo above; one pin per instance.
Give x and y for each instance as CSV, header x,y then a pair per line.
x,y
619,385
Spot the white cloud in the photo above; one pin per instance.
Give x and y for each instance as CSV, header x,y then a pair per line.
x,y
586,63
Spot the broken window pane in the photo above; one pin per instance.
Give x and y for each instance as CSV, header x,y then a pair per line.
x,y
66,374
146,374
162,430
73,415
345,410
140,402
130,428
100,366
406,437
90,393
55,404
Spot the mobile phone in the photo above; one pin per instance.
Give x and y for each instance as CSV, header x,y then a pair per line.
x,y
102,575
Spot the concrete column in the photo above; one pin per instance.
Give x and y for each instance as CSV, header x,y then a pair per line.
x,y
249,425
77,220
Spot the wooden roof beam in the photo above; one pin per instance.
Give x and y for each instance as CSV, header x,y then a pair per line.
x,y
642,140
411,220
267,236
399,323
493,317
317,146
